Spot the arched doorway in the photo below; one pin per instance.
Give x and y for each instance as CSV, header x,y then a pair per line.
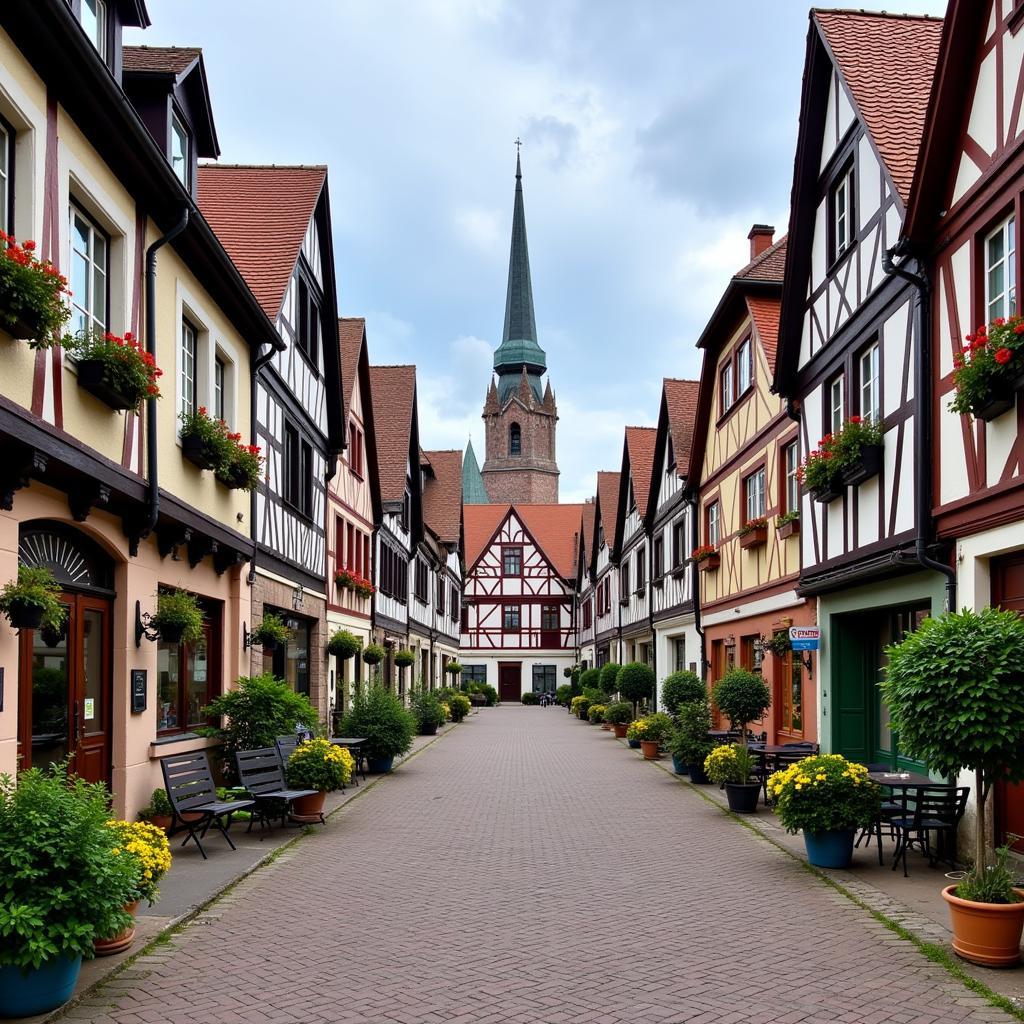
x,y
65,685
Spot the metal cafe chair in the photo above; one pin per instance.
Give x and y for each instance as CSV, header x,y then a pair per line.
x,y
937,809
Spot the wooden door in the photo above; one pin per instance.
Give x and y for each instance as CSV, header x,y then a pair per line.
x,y
1008,593
550,633
510,681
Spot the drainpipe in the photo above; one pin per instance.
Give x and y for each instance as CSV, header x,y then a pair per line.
x,y
257,365
923,424
153,510
650,612
691,501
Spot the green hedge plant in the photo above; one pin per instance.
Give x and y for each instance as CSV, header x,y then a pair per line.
x,y
529,697
680,688
379,716
743,697
636,682
426,706
610,677
689,740
619,713
563,694
590,680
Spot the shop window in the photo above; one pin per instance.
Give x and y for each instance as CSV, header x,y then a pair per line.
x,y
291,661
544,678
792,703
188,677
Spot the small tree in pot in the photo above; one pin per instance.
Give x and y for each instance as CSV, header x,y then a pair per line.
x,y
388,726
618,716
609,678
743,697
680,688
636,683
955,691
689,743
430,716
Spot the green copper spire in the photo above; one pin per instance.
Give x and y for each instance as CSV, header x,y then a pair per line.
x,y
473,490
519,346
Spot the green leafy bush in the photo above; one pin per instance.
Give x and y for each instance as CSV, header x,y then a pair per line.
x,y
344,644
680,688
255,714
824,793
453,668
530,697
689,740
636,682
378,715
619,713
61,887
159,806
459,705
426,706
563,695
743,697
590,680
489,692
580,705
609,677
595,713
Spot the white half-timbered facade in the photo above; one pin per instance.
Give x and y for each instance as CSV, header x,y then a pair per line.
x,y
586,654
605,572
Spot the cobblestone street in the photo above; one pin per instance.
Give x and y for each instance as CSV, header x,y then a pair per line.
x,y
528,868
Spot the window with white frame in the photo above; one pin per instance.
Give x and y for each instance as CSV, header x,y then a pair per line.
x,y
188,388
791,466
836,405
1000,270
728,392
219,385
744,366
753,492
843,210
181,157
90,271
93,17
6,176
713,524
870,392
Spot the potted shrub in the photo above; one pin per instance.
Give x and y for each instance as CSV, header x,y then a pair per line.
x,y
458,706
652,731
147,848
636,683
618,716
32,294
595,714
343,644
204,440
780,644
829,799
178,618
989,371
955,692
530,698
579,706
373,655
403,659
754,533
271,633
158,811
430,716
379,715
743,697
707,557
61,887
33,599
788,524
321,765
590,680
609,678
680,688
731,767
689,743
634,731
241,466
118,371
563,695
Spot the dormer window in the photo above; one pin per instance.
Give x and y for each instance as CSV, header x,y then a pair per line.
x,y
181,157
93,16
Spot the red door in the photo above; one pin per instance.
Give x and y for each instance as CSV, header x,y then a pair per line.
x,y
510,681
1008,592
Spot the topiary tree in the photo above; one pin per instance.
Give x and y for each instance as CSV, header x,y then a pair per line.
x,y
636,682
681,688
955,691
742,696
609,677
590,680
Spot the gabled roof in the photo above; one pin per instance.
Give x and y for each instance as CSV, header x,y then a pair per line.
x,y
555,528
351,338
640,446
680,405
888,62
606,514
261,214
442,496
768,266
161,60
587,532
764,311
393,392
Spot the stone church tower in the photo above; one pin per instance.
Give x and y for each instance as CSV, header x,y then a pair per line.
x,y
519,416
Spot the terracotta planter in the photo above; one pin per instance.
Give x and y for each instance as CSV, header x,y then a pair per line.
x,y
309,808
710,564
197,453
620,731
790,529
122,940
92,377
985,933
649,748
161,821
754,538
868,464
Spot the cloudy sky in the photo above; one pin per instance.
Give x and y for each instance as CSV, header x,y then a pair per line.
x,y
655,132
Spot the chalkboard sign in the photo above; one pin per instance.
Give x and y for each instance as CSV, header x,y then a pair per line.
x,y
138,690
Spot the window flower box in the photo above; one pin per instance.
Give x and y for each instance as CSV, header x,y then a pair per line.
x,y
829,490
1000,399
989,371
863,466
849,456
32,291
706,557
623,601
754,533
786,527
200,452
92,377
118,371
710,564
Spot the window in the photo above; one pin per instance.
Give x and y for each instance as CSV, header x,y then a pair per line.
x,y
641,568
600,536
510,619
440,595
298,471
870,392
607,592
670,458
753,495
465,618
406,500
792,694
6,176
544,678
843,212
291,661
90,269
1000,271
187,680
355,449
512,561
679,652
791,479
836,405
712,524
588,614
658,567
728,395
678,542
218,388
624,581
93,16
550,617
454,604
420,580
744,366
515,440
189,339
474,673
181,156
308,337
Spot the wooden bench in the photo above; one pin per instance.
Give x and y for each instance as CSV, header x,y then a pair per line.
x,y
261,774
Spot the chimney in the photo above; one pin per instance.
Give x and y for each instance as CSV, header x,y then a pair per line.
x,y
760,236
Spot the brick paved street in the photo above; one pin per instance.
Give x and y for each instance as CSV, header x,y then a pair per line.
x,y
528,868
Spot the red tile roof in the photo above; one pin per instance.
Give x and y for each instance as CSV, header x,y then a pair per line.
x,y
479,523
765,314
587,528
640,445
393,393
554,527
351,331
681,397
442,496
769,266
888,61
260,215
608,498
165,60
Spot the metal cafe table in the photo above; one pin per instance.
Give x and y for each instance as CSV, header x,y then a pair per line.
x,y
354,745
902,785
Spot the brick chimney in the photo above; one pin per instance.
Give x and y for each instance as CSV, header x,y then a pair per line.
x,y
760,236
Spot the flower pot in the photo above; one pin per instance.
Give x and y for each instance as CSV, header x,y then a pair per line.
x,y
678,767
985,933
309,808
868,464
270,645
53,637
742,796
197,453
428,729
379,765
650,749
620,731
790,529
698,776
829,492
710,564
172,632
832,849
122,940
25,324
162,821
754,538
23,615
42,989
92,376
583,716
633,744
998,402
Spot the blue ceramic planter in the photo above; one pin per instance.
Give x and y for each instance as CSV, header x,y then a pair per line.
x,y
39,991
678,767
635,744
830,849
379,765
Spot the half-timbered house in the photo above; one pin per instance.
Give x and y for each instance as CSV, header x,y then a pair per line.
x,y
671,527
962,221
604,571
275,223
353,512
850,336
517,625
586,654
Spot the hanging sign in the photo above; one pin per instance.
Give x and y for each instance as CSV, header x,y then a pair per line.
x,y
805,638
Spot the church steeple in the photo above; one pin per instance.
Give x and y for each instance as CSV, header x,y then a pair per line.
x,y
519,348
